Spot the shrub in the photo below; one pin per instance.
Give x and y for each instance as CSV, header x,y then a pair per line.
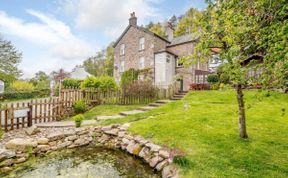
x,y
78,119
79,107
102,83
21,86
10,95
129,76
71,83
137,88
107,83
212,78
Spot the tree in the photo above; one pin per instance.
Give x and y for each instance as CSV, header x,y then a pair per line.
x,y
157,29
189,23
102,63
241,29
9,60
41,80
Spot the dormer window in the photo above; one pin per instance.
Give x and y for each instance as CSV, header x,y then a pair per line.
x,y
141,44
122,49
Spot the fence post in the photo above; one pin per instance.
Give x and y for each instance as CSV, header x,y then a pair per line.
x,y
29,113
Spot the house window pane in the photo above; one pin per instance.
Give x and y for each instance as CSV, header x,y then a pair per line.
x,y
122,49
141,77
122,66
141,63
142,44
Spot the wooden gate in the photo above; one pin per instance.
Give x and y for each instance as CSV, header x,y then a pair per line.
x,y
25,114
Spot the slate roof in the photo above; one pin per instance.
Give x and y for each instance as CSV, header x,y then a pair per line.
x,y
182,39
139,28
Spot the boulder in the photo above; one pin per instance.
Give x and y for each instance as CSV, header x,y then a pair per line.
x,y
144,152
19,144
43,141
6,169
164,153
133,148
72,138
170,171
64,144
6,154
111,132
125,141
43,148
55,136
153,147
20,160
32,130
161,165
155,160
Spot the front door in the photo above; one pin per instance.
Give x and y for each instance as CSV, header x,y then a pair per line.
x,y
181,85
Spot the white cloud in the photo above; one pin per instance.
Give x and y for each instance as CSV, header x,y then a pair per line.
x,y
51,33
109,15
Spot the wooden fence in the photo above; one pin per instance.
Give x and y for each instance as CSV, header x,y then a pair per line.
x,y
25,114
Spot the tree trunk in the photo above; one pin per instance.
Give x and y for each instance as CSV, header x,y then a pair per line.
x,y
241,112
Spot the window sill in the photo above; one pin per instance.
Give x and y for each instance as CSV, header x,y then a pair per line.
x,y
141,50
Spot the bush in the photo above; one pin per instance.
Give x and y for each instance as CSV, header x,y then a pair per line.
x,y
71,83
78,119
212,78
14,95
21,86
102,83
129,76
79,107
140,87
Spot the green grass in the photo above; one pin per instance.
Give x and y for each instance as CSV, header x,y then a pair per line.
x,y
106,110
208,133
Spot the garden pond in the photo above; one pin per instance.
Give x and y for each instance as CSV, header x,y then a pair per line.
x,y
84,162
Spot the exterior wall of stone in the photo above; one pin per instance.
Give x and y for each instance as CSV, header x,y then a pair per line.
x,y
133,54
188,74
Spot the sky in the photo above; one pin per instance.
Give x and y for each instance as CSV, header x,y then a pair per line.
x,y
54,34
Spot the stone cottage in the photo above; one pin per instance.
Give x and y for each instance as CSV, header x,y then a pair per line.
x,y
157,57
2,86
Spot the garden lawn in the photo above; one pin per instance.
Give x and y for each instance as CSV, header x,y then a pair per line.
x,y
107,110
208,133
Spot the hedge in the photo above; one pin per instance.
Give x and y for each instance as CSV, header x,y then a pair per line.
x,y
9,95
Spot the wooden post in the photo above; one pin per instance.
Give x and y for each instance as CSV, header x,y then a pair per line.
x,y
29,115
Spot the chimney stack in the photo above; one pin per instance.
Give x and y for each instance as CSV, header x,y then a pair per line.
x,y
133,20
169,31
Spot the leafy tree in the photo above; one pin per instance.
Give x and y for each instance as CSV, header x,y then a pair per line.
x,y
19,85
102,63
189,23
9,60
157,29
241,29
41,80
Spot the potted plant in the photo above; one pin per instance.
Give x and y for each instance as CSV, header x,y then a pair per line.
x,y
78,120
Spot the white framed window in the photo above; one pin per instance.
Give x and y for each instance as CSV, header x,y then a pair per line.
x,y
122,49
122,66
142,44
141,63
178,63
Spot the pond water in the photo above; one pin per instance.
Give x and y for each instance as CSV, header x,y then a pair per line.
x,y
85,162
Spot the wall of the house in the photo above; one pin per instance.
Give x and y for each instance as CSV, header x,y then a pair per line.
x,y
188,74
164,69
132,53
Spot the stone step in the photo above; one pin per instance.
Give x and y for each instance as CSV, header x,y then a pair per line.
x,y
163,101
109,117
175,96
174,99
126,113
155,104
146,108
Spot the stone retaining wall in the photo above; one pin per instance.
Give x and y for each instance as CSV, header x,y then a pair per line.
x,y
114,136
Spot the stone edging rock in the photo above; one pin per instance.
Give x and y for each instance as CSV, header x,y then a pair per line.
x,y
115,136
